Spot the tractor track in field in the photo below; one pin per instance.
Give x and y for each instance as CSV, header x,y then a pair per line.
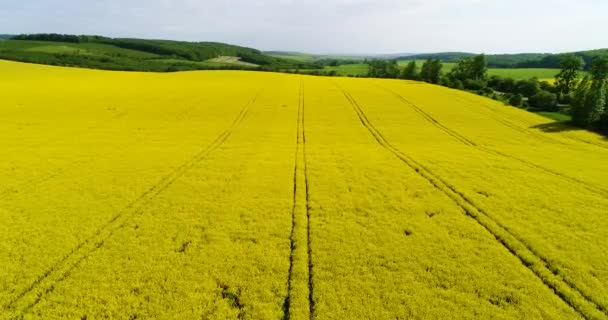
x,y
566,290
311,300
595,189
527,131
299,303
599,145
61,270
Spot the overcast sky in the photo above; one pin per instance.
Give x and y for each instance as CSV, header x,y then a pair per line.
x,y
329,26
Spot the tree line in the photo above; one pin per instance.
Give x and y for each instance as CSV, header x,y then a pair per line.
x,y
519,60
584,98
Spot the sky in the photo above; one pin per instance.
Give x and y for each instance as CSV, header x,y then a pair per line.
x,y
329,26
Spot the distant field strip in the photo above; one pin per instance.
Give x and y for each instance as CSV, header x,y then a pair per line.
x,y
25,300
564,289
258,195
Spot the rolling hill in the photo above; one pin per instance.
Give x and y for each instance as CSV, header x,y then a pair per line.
x,y
138,54
259,195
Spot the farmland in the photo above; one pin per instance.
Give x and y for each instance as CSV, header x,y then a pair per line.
x,y
250,195
515,73
137,54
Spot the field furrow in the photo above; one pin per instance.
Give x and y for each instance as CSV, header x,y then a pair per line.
x,y
391,237
199,195
487,182
585,304
45,283
599,190
299,304
206,239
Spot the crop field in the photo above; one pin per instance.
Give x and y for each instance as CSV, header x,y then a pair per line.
x,y
525,73
547,74
515,73
358,69
249,195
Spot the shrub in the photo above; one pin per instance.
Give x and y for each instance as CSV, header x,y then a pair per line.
x,y
544,100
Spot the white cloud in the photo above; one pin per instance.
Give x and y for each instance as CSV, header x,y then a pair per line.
x,y
330,25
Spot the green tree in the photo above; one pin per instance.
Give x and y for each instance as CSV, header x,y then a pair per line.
x,y
527,88
567,77
392,69
431,71
383,69
479,67
474,68
544,100
590,99
410,72
516,100
580,106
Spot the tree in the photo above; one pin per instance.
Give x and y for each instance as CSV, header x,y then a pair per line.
x,y
431,71
479,67
410,72
474,68
383,69
580,106
527,88
567,77
590,99
544,100
507,85
392,69
473,84
516,100
599,88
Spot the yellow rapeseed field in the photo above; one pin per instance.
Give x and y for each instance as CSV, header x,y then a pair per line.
x,y
248,195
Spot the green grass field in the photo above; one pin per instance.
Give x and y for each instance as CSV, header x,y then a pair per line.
x,y
560,117
520,74
350,69
517,74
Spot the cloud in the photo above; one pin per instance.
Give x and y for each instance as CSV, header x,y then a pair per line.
x,y
337,26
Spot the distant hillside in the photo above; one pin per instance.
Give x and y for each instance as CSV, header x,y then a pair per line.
x,y
138,54
520,60
316,57
291,55
5,36
552,61
443,56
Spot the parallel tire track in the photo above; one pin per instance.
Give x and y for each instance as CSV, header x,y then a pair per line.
x,y
514,125
584,304
299,304
595,189
311,301
507,123
599,145
45,283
